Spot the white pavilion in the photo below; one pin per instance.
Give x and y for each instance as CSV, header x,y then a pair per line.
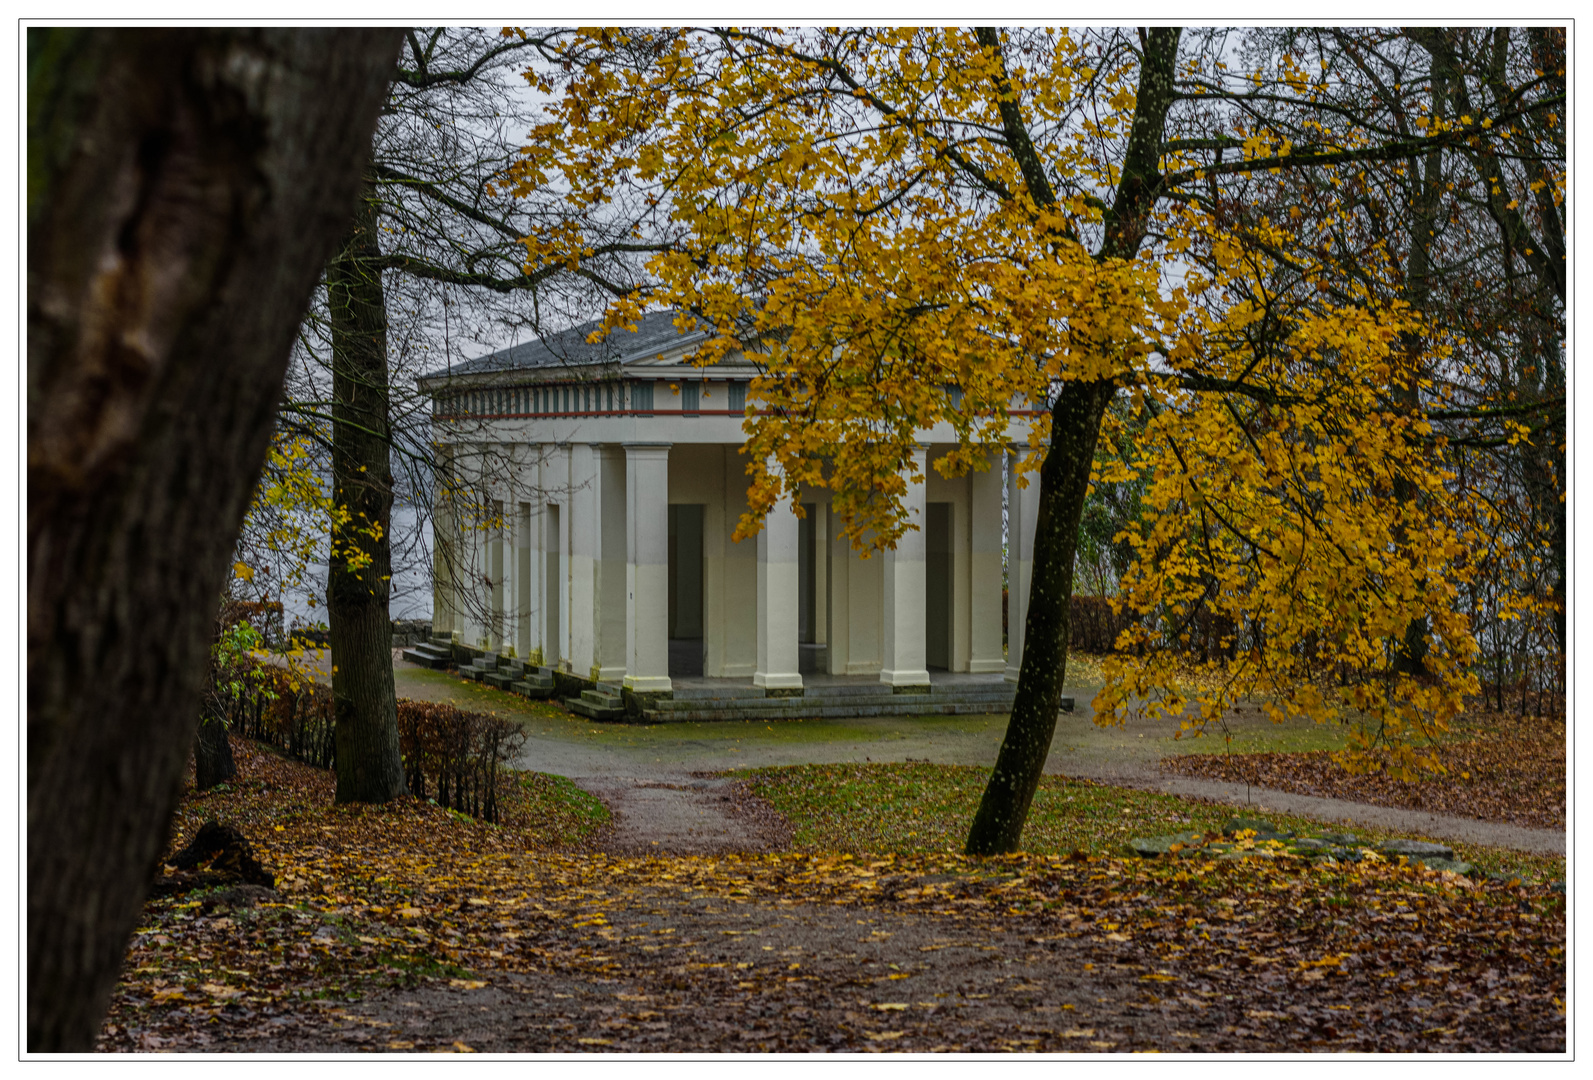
x,y
604,483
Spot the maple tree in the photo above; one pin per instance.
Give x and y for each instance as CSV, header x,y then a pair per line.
x,y
908,227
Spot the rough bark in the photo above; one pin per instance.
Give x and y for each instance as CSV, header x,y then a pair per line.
x,y
1410,652
184,188
369,767
212,754
1064,478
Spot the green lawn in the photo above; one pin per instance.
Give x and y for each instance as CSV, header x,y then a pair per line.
x,y
922,807
561,814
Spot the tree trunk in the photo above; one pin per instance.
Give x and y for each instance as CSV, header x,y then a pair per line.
x,y
184,188
1065,477
212,754
364,701
1064,480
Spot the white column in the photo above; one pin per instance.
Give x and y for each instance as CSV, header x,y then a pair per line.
x,y
902,662
609,576
445,543
585,509
821,567
535,561
554,556
497,537
1022,508
777,601
647,567
731,587
524,587
984,601
474,549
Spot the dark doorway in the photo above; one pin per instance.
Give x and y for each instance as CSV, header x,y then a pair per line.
x,y
553,638
685,589
937,585
806,634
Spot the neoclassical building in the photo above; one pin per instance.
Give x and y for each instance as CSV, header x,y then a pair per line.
x,y
597,488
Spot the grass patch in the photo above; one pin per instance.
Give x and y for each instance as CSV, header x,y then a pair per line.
x,y
921,807
562,814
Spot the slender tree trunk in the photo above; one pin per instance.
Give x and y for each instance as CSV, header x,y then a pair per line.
x,y
364,702
1064,478
185,187
1410,651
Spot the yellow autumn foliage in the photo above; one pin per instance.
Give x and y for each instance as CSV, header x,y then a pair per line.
x,y
848,209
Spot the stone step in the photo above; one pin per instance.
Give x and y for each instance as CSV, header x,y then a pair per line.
x,y
532,690
600,700
593,712
717,693
1001,700
803,709
428,656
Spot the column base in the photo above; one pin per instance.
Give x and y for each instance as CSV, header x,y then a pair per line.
x,y
649,684
610,674
904,678
986,667
770,681
1010,674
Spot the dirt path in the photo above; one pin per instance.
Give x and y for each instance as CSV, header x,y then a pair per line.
x,y
651,776
665,971
684,815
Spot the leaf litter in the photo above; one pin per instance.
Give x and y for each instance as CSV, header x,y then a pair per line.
x,y
407,928
1505,768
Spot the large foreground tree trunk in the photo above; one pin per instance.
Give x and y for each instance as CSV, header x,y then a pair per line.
x,y
369,768
1065,476
184,189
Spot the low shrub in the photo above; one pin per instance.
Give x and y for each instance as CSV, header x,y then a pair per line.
x,y
450,755
292,714
456,755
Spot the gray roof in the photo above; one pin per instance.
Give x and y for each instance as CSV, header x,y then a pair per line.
x,y
655,332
